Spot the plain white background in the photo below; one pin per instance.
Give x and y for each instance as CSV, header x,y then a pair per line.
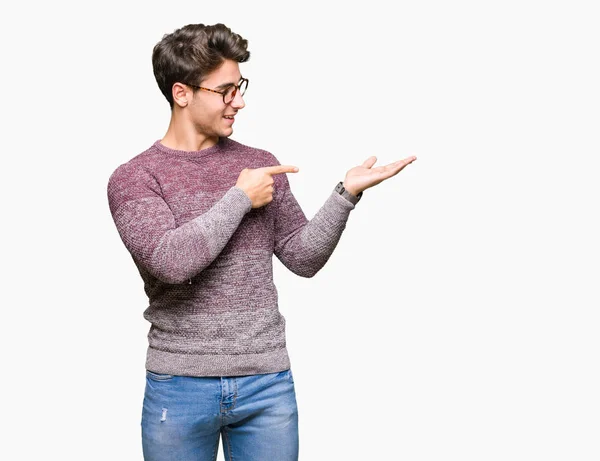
x,y
457,318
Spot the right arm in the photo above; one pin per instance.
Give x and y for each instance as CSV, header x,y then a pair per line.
x,y
147,226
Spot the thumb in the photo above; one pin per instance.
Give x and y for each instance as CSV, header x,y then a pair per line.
x,y
368,163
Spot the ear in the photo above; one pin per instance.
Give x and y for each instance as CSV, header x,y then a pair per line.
x,y
181,94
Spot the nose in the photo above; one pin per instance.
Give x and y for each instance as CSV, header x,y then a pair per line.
x,y
237,101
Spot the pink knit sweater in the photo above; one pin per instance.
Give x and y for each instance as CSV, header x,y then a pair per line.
x,y
206,256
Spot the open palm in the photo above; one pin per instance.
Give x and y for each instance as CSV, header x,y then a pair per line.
x,y
364,176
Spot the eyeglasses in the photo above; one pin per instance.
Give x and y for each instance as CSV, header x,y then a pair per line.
x,y
229,92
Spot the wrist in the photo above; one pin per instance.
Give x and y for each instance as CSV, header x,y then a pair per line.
x,y
352,191
341,189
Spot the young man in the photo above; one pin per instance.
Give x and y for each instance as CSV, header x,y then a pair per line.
x,y
202,216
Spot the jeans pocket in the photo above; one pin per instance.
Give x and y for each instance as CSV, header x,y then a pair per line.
x,y
290,376
158,376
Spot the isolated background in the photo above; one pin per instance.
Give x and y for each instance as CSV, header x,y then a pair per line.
x,y
457,318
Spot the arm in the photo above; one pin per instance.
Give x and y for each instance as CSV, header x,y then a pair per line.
x,y
304,246
147,226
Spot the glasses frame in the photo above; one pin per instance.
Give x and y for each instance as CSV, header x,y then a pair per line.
x,y
224,92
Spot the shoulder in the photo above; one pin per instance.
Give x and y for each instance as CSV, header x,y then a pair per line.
x,y
257,153
139,166
135,177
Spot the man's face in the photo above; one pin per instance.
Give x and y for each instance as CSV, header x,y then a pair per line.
x,y
208,111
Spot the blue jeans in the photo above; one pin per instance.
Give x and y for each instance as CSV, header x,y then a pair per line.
x,y
183,417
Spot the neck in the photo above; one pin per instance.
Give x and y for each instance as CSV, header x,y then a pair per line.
x,y
181,135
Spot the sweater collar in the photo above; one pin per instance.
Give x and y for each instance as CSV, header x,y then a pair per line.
x,y
218,147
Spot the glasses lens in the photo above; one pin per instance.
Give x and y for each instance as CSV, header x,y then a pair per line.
x,y
231,91
243,87
229,94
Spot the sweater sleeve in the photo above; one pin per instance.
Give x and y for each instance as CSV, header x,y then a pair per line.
x,y
147,226
304,246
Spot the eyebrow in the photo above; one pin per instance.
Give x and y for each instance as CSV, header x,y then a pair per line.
x,y
225,85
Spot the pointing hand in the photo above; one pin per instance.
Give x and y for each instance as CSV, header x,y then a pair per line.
x,y
258,183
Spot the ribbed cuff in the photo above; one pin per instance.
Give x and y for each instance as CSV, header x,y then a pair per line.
x,y
343,202
235,195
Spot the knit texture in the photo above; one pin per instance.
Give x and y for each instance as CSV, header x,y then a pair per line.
x,y
206,256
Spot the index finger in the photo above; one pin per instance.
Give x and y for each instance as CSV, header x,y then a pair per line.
x,y
277,169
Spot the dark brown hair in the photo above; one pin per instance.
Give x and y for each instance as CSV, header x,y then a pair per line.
x,y
192,52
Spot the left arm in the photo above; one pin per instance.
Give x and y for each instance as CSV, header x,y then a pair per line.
x,y
304,246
